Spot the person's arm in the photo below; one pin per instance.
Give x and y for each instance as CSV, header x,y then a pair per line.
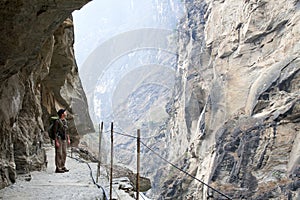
x,y
55,128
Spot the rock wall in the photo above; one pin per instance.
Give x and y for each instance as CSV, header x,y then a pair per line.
x,y
38,75
235,115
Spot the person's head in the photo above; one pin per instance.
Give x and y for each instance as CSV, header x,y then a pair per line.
x,y
62,113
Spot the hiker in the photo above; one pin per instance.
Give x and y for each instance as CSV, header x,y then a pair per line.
x,y
61,139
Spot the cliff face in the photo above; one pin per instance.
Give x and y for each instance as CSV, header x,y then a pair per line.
x,y
235,117
38,75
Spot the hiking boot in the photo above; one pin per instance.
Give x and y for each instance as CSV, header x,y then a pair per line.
x,y
65,169
59,170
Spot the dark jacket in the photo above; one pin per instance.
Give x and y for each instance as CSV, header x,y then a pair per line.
x,y
60,128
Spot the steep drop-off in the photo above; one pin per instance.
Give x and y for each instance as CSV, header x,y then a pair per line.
x,y
235,115
38,75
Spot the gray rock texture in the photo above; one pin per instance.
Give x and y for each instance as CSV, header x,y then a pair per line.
x,y
234,118
38,75
235,115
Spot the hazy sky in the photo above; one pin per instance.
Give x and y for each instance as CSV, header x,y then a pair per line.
x,y
100,20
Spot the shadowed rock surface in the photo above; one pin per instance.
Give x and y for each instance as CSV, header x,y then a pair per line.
x,y
38,75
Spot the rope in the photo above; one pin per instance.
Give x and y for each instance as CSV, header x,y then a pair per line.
x,y
99,186
132,136
145,138
91,174
127,135
104,132
173,165
142,196
116,193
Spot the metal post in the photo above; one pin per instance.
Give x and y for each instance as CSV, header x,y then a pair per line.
x,y
99,153
138,165
111,157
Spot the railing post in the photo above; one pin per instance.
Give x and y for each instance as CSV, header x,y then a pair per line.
x,y
138,165
111,157
99,153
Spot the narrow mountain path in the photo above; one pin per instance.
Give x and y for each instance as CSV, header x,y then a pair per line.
x,y
75,184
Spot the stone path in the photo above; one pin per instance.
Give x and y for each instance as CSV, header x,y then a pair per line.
x,y
76,184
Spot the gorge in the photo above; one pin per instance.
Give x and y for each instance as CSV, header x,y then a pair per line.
x,y
232,120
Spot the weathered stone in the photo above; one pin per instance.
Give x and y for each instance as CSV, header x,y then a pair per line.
x,y
119,172
248,116
32,37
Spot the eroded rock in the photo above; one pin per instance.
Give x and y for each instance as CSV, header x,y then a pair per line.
x,y
243,136
35,42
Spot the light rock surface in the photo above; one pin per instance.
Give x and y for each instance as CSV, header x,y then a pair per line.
x,y
235,116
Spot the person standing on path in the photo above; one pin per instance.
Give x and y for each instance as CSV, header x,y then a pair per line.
x,y
61,139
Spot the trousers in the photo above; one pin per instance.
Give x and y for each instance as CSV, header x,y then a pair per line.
x,y
60,153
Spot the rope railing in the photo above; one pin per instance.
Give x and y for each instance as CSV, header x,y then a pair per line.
x,y
91,174
145,138
138,138
173,165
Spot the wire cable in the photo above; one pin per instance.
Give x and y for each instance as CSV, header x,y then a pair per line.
x,y
116,193
173,165
149,137
132,136
91,174
127,135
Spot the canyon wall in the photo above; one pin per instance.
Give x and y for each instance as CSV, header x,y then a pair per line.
x,y
235,115
234,118
38,75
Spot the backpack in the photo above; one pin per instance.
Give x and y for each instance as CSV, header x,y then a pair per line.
x,y
51,133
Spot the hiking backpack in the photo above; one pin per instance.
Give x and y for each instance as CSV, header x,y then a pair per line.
x,y
51,132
